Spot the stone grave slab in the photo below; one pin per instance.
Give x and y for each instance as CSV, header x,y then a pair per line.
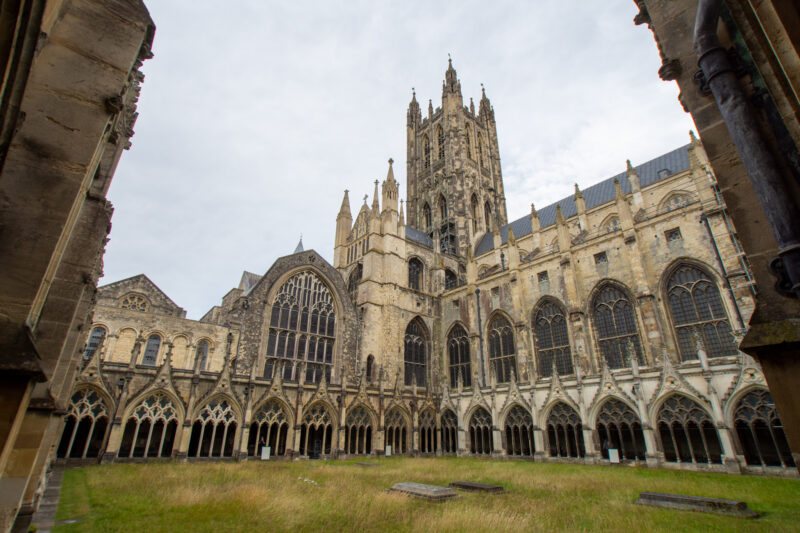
x,y
367,464
471,486
431,493
696,503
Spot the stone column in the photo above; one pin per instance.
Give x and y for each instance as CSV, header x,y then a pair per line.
x,y
588,444
497,441
538,443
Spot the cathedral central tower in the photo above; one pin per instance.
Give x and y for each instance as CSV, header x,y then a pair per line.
x,y
455,185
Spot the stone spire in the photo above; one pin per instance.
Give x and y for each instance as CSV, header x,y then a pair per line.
x,y
414,115
344,211
299,247
485,110
633,177
402,216
375,204
451,85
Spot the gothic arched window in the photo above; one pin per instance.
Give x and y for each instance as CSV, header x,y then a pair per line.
x,y
426,151
201,356
150,429
440,139
502,353
760,431
487,216
687,432
697,310
473,208
358,431
450,279
151,350
396,431
426,216
519,432
552,341
269,428
353,280
415,274
458,350
370,368
96,338
565,432
302,329
616,326
468,133
449,432
316,432
415,342
214,430
427,432
442,207
84,426
480,432
619,427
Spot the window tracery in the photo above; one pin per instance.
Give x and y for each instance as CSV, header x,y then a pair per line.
x,y
480,432
396,432
302,329
150,429
474,212
415,342
459,352
616,327
440,139
134,302
619,427
353,281
96,338
214,430
427,432
697,309
760,431
415,274
519,432
269,428
502,352
201,355
552,340
565,432
358,431
316,432
449,431
426,151
426,216
150,357
688,434
84,426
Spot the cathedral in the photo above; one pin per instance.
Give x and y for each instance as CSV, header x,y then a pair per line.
x,y
602,328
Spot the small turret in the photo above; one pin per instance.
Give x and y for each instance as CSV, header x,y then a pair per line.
x,y
535,224
376,208
414,116
564,240
344,222
430,109
580,205
633,177
389,190
451,84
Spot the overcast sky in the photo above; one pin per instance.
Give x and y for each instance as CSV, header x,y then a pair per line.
x,y
255,116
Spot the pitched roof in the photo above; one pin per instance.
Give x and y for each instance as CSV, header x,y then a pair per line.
x,y
413,234
248,281
598,194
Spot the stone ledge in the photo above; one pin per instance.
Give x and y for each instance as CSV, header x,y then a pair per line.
x,y
696,503
471,486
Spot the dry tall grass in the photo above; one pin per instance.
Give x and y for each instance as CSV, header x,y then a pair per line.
x,y
341,496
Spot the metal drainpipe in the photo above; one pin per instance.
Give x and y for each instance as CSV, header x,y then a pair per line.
x,y
480,333
704,220
743,127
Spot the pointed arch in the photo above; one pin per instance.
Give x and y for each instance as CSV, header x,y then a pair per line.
x,y
396,429
443,211
549,325
697,310
480,432
610,224
458,351
615,323
449,424
759,430
270,426
565,431
415,273
468,134
415,354
317,429
426,151
487,216
95,341
215,427
151,423
428,438
474,213
518,431
686,431
427,220
85,424
359,429
618,427
440,142
502,347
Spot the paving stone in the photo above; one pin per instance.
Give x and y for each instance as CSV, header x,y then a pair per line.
x,y
471,486
432,493
696,503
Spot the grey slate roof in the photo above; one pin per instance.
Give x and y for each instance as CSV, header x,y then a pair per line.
x,y
420,237
248,281
598,194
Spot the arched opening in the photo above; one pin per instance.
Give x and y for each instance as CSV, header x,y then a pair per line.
x,y
415,274
480,432
616,326
150,357
316,432
358,432
396,431
302,331
96,338
552,341
428,441
150,429
201,355
440,141
450,279
458,352
697,312
370,368
687,433
415,344
449,432
84,426
519,432
426,152
502,352
473,209
487,216
618,427
214,430
270,427
565,432
468,133
760,431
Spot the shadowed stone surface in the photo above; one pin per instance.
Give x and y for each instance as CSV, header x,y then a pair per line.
x,y
696,503
432,493
471,486
367,464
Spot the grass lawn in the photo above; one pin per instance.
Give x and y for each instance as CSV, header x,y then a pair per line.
x,y
277,496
